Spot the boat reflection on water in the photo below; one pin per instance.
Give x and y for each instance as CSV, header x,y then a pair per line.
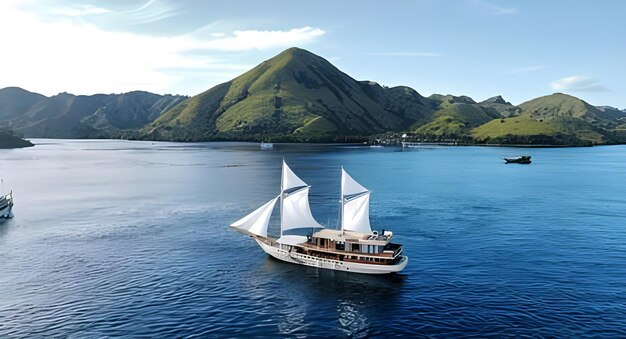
x,y
357,298
352,319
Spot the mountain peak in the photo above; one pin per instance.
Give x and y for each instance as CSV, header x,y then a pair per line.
x,y
295,50
295,94
498,99
296,54
452,99
560,105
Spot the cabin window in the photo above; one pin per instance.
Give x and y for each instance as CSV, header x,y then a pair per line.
x,y
340,246
355,247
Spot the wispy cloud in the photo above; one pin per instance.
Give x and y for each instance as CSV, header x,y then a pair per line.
x,y
258,39
406,54
151,11
527,69
83,58
578,83
79,10
492,9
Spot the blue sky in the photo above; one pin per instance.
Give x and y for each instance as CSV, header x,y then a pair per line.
x,y
480,48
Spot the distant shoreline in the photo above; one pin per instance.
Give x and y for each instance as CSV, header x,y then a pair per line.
x,y
330,143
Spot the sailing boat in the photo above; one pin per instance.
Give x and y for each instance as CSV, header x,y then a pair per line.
x,y
352,248
6,201
6,205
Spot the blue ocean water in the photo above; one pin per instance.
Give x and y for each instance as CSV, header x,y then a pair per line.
x,y
130,238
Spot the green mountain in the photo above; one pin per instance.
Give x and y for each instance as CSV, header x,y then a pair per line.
x,y
295,95
563,105
503,107
455,116
70,116
612,112
14,101
299,96
556,119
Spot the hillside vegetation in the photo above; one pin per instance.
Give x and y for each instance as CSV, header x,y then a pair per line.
x,y
299,96
556,119
80,116
295,95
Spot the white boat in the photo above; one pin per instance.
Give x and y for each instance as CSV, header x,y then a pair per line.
x,y
267,145
6,205
352,248
406,144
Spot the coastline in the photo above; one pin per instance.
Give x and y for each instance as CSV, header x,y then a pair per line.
x,y
326,143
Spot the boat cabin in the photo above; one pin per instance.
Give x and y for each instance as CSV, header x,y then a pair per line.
x,y
350,241
352,246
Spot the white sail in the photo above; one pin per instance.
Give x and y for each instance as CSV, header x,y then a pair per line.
x,y
257,221
349,186
296,211
356,214
289,179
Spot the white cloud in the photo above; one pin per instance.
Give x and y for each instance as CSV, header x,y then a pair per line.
x,y
527,69
49,56
148,12
578,83
79,10
492,9
406,54
151,11
255,39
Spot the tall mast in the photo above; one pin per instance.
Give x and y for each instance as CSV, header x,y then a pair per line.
x,y
282,193
341,201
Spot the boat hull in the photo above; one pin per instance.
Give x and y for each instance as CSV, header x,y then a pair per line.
x,y
285,254
6,212
6,203
519,160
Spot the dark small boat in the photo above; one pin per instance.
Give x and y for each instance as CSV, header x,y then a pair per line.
x,y
524,159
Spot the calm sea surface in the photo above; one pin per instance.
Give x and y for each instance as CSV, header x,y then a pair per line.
x,y
131,238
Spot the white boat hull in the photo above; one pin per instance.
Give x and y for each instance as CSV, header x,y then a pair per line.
x,y
6,211
285,254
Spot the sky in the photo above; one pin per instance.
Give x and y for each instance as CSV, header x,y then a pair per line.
x,y
480,48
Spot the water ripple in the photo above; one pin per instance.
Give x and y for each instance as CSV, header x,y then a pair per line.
x,y
495,251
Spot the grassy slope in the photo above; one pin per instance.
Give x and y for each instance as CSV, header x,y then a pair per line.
x,y
245,105
317,126
295,94
524,129
307,86
557,104
442,127
455,119
557,118
515,126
